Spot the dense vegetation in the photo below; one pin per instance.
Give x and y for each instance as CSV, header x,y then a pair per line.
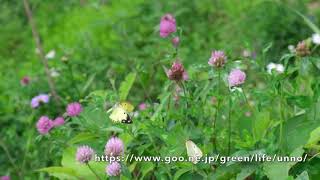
x,y
103,52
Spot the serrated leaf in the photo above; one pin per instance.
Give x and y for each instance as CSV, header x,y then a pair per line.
x,y
126,85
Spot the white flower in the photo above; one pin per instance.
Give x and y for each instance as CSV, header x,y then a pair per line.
x,y
291,48
316,39
270,67
51,54
279,68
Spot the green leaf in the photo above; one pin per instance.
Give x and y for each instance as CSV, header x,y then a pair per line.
x,y
145,168
261,123
113,129
267,48
82,137
297,128
301,101
181,172
246,171
280,170
126,85
88,83
308,22
60,172
160,107
303,176
313,142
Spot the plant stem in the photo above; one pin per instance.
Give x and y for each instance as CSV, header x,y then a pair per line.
x,y
43,59
229,123
282,117
251,109
93,171
215,143
185,94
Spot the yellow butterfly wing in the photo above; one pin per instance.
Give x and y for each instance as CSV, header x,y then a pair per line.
x,y
193,151
118,114
127,106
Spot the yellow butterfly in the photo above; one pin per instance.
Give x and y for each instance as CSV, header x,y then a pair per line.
x,y
193,151
120,112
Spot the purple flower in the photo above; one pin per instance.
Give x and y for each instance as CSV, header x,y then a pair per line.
x,y
113,169
5,178
25,81
142,106
37,100
177,72
114,147
236,77
74,109
175,41
59,121
44,125
167,25
217,59
84,154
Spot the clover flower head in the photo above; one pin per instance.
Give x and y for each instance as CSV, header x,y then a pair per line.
x,y
84,154
177,72
113,169
167,25
25,80
74,109
217,59
114,147
44,125
236,77
302,49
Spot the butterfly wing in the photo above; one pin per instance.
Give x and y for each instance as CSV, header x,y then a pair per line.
x,y
128,120
127,106
118,114
193,151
